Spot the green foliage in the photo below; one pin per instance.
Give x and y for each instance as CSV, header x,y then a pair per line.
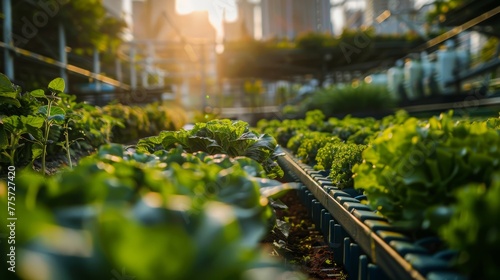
x,y
40,127
315,120
339,158
52,116
87,25
8,92
397,118
12,143
345,157
326,155
290,110
41,124
316,41
474,230
351,99
285,130
418,164
54,123
438,175
441,9
306,144
356,130
233,138
139,122
170,215
200,116
282,131
489,49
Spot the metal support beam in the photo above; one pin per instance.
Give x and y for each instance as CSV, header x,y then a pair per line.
x,y
203,77
97,69
7,38
63,56
70,68
118,66
133,74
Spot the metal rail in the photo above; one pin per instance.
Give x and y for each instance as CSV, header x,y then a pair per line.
x,y
469,101
69,67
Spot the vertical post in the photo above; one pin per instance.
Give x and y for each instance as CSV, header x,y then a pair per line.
x,y
63,56
150,69
203,77
133,75
7,38
118,66
97,69
289,20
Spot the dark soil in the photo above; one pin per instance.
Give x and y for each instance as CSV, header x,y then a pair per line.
x,y
58,162
305,248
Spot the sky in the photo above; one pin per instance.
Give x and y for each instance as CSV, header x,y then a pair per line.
x,y
216,8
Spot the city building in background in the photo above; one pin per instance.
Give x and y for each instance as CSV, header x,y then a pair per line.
x,y
158,20
389,16
291,18
121,9
176,48
244,26
354,18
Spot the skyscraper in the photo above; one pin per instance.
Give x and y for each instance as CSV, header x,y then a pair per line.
x,y
244,25
354,18
158,20
290,18
388,16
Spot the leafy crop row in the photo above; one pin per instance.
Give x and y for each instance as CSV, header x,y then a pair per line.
x,y
44,123
418,164
233,138
334,145
167,215
181,205
429,176
139,122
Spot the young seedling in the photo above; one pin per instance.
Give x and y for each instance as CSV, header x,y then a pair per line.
x,y
52,114
17,126
66,144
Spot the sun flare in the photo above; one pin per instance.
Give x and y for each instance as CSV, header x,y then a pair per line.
x,y
217,9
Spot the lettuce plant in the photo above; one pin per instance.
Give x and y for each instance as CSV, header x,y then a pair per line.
x,y
233,138
418,164
339,158
168,215
473,229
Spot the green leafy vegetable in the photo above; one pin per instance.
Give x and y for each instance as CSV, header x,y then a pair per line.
x,y
473,229
188,216
418,164
233,138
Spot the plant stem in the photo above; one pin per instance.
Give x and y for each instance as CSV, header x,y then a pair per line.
x,y
13,141
68,154
46,136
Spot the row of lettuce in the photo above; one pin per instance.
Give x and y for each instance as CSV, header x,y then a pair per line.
x,y
437,176
178,205
45,123
168,215
197,209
